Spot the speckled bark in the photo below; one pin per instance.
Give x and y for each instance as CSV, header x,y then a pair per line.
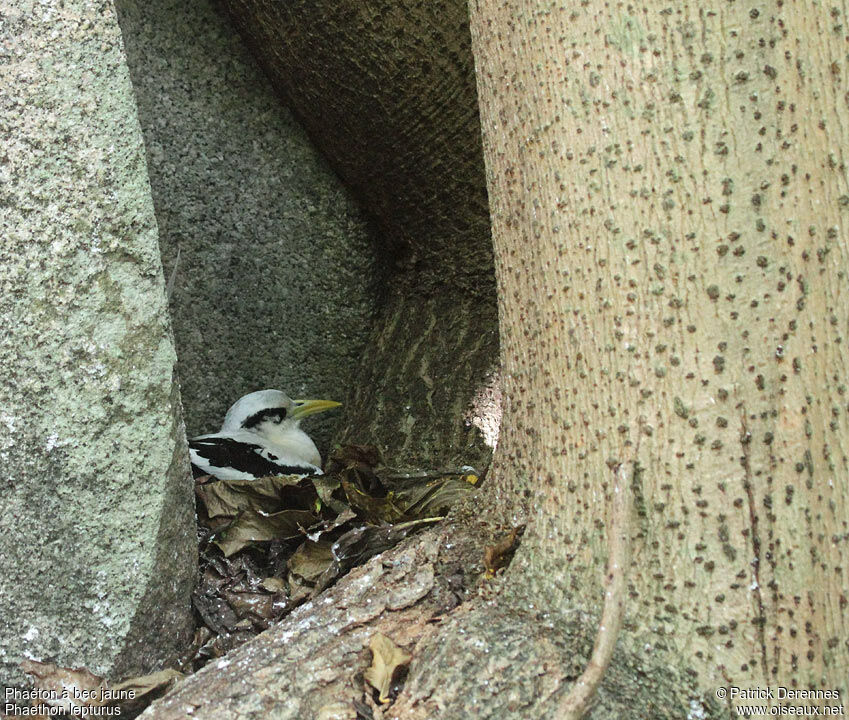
x,y
669,200
386,90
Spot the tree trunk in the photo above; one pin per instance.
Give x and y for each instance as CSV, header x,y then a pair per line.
x,y
669,199
668,194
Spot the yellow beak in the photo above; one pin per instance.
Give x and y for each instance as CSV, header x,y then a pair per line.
x,y
311,407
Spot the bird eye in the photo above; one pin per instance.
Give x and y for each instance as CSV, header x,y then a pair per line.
x,y
281,415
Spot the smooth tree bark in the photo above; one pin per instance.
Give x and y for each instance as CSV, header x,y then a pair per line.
x,y
669,197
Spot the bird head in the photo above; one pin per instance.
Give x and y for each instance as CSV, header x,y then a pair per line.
x,y
271,413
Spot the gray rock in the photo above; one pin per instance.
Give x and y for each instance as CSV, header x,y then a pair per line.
x,y
97,551
276,278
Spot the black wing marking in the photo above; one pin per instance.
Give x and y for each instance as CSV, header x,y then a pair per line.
x,y
245,457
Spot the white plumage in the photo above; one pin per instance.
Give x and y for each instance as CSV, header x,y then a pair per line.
x,y
259,437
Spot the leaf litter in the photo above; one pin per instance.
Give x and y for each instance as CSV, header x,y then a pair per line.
x,y
269,545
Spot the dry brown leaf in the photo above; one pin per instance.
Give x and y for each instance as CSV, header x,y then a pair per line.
x,y
250,605
79,688
135,694
227,498
434,497
71,687
255,526
145,684
274,585
386,658
499,555
311,559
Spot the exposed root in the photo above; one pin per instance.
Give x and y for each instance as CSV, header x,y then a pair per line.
x,y
576,703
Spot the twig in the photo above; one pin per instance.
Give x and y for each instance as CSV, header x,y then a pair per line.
x,y
575,704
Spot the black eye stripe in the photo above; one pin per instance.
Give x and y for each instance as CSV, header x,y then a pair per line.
x,y
272,414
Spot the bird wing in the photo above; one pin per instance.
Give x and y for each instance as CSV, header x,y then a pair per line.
x,y
229,458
